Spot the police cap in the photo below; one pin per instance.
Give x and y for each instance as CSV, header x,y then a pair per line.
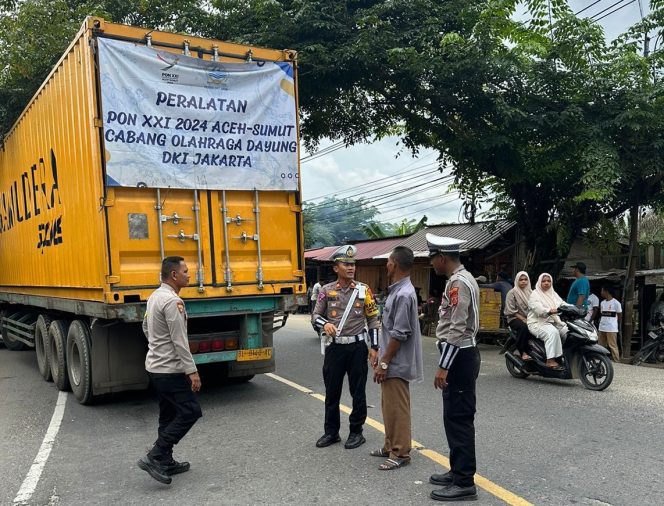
x,y
440,245
345,254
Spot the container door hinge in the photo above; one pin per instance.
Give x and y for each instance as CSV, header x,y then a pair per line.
x,y
112,280
98,123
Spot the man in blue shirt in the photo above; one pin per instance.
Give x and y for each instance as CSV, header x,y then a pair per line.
x,y
580,289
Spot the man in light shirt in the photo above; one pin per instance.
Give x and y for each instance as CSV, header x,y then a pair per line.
x,y
171,369
609,324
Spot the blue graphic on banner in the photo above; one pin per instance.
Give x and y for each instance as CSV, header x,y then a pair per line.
x,y
173,121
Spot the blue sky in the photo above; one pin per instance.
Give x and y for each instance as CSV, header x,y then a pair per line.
x,y
356,170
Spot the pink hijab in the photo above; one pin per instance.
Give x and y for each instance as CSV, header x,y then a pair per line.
x,y
548,297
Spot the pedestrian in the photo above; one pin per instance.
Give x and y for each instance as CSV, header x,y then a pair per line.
x,y
516,312
458,368
399,359
313,297
580,289
171,369
593,308
343,310
609,324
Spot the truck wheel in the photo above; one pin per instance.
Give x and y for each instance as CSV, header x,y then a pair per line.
x,y
57,333
10,343
43,346
79,361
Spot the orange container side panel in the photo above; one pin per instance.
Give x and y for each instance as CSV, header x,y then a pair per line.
x,y
52,233
64,234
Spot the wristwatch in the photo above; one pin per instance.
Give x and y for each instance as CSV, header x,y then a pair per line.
x,y
383,366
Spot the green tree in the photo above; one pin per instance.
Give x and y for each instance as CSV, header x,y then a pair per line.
x,y
335,221
377,230
35,33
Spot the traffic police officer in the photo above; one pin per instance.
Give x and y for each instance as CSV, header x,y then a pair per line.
x,y
171,369
343,309
458,368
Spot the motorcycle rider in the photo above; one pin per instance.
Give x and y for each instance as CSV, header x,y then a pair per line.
x,y
543,322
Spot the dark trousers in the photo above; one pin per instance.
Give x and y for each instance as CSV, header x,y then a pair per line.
x,y
459,415
178,411
342,359
520,328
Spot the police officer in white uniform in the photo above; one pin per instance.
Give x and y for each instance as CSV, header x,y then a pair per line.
x,y
344,309
171,369
458,368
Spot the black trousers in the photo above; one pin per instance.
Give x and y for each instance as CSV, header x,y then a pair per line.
x,y
459,415
342,359
178,411
522,334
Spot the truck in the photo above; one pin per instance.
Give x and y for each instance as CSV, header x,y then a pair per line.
x,y
142,144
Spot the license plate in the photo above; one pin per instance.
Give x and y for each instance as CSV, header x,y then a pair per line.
x,y
256,354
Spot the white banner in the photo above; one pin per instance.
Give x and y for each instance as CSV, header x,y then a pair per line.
x,y
174,121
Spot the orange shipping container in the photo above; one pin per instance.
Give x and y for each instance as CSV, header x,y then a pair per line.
x,y
110,168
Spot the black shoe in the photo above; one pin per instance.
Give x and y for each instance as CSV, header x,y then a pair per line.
x,y
154,469
174,467
443,480
354,440
455,493
327,440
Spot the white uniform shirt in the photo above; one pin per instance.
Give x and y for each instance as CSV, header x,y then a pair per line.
x,y
610,310
593,302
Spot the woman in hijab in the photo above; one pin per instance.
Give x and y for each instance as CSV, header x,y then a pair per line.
x,y
543,322
516,312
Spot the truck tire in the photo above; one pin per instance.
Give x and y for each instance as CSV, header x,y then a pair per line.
x,y
43,347
10,343
57,333
79,361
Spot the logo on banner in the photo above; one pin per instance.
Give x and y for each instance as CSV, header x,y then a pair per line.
x,y
217,78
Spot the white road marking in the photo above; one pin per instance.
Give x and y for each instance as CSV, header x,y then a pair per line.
x,y
32,479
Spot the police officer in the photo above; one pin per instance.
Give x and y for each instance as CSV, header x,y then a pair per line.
x,y
343,309
171,369
458,368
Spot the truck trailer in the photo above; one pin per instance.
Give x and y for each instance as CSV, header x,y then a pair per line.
x,y
143,144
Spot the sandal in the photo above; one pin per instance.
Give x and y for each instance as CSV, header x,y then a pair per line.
x,y
391,464
526,357
381,452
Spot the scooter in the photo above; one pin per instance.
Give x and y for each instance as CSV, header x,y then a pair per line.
x,y
653,349
582,356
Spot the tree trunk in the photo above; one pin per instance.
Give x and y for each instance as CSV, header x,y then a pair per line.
x,y
628,295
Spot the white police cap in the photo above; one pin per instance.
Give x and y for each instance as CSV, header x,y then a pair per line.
x,y
438,244
345,254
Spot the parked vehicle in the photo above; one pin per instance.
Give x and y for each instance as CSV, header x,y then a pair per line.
x,y
653,349
582,356
139,145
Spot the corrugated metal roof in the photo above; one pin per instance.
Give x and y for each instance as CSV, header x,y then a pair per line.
x,y
320,254
479,235
365,250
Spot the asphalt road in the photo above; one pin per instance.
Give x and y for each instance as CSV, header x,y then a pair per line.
x,y
545,441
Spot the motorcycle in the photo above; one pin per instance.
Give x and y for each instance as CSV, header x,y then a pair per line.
x,y
582,356
653,349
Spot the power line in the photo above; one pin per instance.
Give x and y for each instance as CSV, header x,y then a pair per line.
x,y
586,8
367,193
325,151
413,175
594,16
615,10
361,207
